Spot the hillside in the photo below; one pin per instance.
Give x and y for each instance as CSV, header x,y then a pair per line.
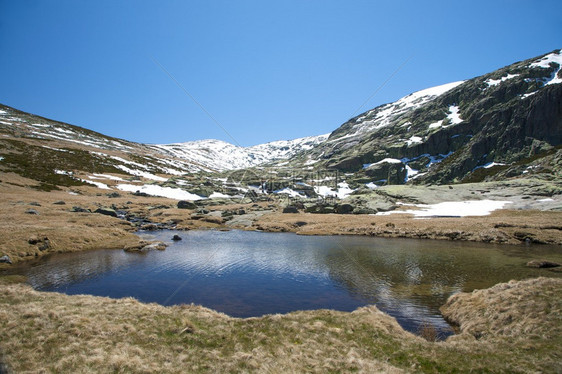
x,y
501,125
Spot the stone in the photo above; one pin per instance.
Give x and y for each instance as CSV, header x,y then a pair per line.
x,y
32,211
34,203
106,212
176,238
541,264
184,204
77,209
6,259
142,194
290,209
344,208
60,202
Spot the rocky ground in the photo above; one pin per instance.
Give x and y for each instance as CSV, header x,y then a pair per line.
x,y
76,218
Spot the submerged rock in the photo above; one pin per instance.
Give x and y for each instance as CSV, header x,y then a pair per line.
x,y
143,247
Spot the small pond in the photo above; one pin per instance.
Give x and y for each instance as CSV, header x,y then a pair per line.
x,y
248,274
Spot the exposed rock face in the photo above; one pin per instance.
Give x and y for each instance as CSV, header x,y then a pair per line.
x,y
464,132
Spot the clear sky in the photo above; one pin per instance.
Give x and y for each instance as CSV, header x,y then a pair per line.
x,y
264,70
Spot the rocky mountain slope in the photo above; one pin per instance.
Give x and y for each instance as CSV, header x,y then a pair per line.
x,y
504,124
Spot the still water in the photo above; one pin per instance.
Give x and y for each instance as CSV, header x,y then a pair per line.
x,y
248,274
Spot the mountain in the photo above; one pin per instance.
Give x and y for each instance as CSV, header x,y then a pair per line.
x,y
59,154
220,155
504,124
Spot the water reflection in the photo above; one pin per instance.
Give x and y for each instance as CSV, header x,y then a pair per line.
x,y
250,274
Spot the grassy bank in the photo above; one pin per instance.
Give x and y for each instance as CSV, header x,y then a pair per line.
x,y
52,332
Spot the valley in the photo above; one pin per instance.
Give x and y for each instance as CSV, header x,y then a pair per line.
x,y
474,161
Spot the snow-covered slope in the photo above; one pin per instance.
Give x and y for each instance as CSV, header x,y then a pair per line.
x,y
384,115
220,155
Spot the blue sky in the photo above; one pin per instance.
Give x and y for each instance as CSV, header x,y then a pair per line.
x,y
265,70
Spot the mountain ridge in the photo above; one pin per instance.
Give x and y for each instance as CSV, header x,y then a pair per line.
x,y
501,125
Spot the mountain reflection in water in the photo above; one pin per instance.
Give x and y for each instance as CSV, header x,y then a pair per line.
x,y
248,274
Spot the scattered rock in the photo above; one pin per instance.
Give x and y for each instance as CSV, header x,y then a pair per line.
x,y
34,203
77,209
60,202
542,264
106,212
42,242
32,211
344,208
290,209
113,195
176,238
184,204
6,259
138,193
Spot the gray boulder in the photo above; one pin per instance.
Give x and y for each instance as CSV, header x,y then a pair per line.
x,y
106,212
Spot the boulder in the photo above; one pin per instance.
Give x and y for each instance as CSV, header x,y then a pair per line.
x,y
184,204
106,212
77,209
344,208
176,238
6,259
32,211
290,209
60,202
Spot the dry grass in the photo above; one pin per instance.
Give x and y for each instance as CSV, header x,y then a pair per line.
x,y
50,332
503,226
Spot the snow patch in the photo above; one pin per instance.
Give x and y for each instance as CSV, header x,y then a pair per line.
x,y
495,82
453,209
154,190
97,184
436,125
545,62
63,172
454,115
289,191
414,140
107,176
140,173
383,161
218,195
